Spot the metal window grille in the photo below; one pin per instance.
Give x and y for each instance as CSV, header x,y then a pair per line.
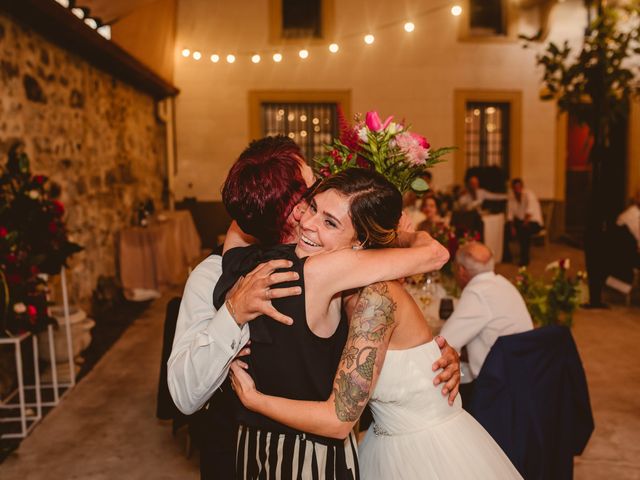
x,y
310,125
486,17
487,135
302,19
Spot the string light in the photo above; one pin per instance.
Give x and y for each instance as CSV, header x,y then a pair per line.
x,y
91,22
369,38
105,31
78,12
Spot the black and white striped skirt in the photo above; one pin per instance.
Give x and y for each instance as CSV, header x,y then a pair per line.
x,y
287,456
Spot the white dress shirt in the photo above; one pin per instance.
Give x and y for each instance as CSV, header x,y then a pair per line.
x,y
205,341
631,218
490,306
528,205
468,202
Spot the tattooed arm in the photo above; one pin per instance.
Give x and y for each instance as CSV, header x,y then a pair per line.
x,y
371,325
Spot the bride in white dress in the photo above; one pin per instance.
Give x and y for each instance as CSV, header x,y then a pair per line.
x,y
387,361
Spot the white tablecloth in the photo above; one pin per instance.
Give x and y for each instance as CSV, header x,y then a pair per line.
x,y
494,233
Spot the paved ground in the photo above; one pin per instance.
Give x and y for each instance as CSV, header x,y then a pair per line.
x,y
106,427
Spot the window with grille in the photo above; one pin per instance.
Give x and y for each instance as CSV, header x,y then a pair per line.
x,y
302,18
487,18
310,125
486,135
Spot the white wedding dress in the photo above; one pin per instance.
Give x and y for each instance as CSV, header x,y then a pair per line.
x,y
417,435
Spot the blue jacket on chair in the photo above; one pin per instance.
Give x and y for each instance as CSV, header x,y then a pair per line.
x,y
531,395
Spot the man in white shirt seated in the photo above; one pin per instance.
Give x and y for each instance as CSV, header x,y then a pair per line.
x,y
474,196
490,306
624,253
524,220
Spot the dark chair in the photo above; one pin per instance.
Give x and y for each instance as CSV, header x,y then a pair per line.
x,y
531,395
468,221
166,408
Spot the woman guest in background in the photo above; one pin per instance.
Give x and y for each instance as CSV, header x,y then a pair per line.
x,y
416,434
431,211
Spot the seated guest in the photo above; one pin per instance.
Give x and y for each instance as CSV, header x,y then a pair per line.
x,y
625,246
431,210
490,306
474,196
524,220
411,207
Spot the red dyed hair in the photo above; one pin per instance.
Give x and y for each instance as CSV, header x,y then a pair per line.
x,y
263,187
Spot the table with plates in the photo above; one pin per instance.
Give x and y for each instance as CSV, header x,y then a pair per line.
x,y
158,255
427,296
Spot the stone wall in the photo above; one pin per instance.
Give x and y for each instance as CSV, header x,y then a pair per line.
x,y
99,138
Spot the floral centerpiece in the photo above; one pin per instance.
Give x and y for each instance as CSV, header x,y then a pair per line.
x,y
551,301
388,147
33,244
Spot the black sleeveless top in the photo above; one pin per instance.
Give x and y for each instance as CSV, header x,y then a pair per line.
x,y
286,360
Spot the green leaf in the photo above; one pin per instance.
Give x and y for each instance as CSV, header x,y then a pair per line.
x,y
419,185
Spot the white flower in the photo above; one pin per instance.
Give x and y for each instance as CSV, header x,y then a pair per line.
x,y
553,265
34,194
19,307
394,128
363,134
565,264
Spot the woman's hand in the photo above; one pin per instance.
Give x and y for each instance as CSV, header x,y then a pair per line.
x,y
243,384
405,224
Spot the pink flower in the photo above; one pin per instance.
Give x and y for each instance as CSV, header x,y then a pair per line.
x,y
58,206
411,146
32,311
372,120
3,232
421,140
53,227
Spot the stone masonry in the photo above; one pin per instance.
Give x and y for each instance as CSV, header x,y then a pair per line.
x,y
97,137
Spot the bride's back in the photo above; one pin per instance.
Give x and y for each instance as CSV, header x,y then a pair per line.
x,y
411,327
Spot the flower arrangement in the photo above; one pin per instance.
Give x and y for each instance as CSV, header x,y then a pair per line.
x,y
551,301
33,244
387,147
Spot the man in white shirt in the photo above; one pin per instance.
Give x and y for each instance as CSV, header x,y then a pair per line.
x,y
490,306
524,220
474,196
630,218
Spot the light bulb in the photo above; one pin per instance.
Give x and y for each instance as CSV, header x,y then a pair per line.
x,y
91,22
333,48
78,12
303,53
231,58
215,58
255,58
369,39
277,57
456,10
197,55
409,27
186,52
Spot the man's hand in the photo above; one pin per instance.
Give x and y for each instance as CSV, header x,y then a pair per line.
x,y
449,362
251,296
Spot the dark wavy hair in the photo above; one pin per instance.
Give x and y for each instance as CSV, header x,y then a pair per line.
x,y
375,204
263,186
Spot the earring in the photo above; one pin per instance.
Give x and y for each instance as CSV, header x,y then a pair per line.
x,y
356,247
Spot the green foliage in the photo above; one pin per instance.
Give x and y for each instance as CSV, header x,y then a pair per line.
x,y
596,84
550,301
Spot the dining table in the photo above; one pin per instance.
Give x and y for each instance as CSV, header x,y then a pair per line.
x,y
158,255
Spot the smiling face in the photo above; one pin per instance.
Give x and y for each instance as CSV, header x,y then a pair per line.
x,y
326,225
430,208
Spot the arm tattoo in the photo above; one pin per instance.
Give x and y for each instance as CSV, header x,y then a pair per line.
x,y
371,320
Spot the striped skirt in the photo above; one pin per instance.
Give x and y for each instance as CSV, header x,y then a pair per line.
x,y
269,455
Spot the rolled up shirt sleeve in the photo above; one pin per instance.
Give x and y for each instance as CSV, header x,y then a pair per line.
x,y
205,342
